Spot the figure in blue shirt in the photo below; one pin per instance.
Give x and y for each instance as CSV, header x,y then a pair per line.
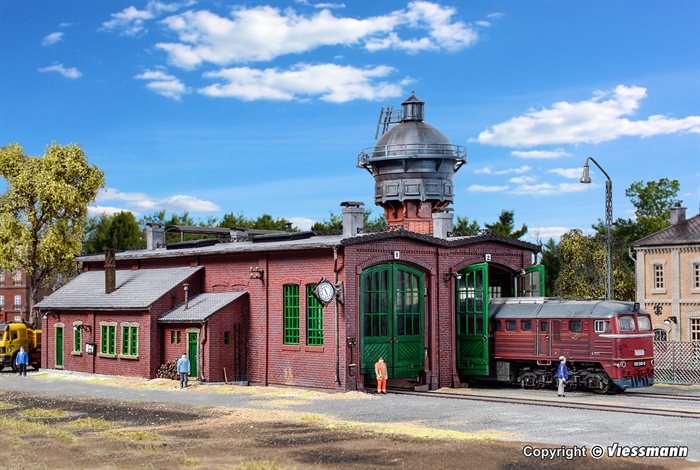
x,y
562,376
183,368
22,360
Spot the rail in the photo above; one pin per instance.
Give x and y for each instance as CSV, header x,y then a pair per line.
x,y
397,151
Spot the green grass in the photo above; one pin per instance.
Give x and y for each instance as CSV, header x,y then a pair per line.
x,y
32,428
91,423
42,413
188,462
137,436
311,418
6,406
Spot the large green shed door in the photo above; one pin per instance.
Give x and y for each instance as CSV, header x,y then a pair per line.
x,y
391,319
531,282
472,320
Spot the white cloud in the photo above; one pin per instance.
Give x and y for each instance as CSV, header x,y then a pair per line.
x,y
522,179
487,170
572,173
52,38
302,223
131,21
68,72
65,25
547,189
513,171
541,153
495,15
330,82
483,24
478,188
143,201
542,234
163,83
596,120
263,33
329,6
106,210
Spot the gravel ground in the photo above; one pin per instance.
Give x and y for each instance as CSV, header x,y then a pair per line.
x,y
505,422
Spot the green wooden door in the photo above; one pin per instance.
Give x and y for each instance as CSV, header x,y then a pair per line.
x,y
531,282
192,353
391,319
59,346
472,309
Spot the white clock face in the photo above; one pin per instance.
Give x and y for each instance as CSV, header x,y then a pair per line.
x,y
326,292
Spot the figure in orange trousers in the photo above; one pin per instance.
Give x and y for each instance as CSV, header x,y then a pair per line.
x,y
380,371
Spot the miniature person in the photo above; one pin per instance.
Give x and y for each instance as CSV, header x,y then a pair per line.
x,y
562,376
380,371
183,368
22,360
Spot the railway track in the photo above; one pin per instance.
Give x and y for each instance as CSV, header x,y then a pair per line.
x,y
558,404
665,396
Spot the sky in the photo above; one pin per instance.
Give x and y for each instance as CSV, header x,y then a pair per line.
x,y
261,107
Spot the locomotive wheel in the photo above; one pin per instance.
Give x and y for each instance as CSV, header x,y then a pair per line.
x,y
603,382
528,380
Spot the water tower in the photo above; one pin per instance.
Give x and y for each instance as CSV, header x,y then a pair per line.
x,y
413,165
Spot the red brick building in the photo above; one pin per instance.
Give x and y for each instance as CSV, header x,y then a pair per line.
x,y
14,295
414,294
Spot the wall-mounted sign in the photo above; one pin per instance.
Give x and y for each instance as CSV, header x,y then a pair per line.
x,y
397,254
487,256
90,348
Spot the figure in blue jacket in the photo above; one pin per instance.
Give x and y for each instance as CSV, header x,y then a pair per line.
x,y
183,368
562,376
22,360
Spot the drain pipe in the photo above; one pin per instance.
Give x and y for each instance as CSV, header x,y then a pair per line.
x,y
337,326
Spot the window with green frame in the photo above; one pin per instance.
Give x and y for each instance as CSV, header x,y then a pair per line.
x,y
290,294
172,337
314,318
77,339
130,340
108,343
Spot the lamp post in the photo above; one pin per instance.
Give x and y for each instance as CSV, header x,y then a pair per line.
x,y
586,178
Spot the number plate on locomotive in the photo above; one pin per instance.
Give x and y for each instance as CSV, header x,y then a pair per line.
x,y
640,363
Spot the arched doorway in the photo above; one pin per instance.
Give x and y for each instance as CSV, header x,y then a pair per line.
x,y
391,319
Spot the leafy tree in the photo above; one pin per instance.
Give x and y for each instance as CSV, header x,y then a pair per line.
x,y
119,231
466,228
264,222
44,211
374,225
334,223
552,265
505,226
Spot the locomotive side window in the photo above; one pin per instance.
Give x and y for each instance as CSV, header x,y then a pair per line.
x,y
644,324
602,326
497,325
544,327
575,326
626,323
526,325
511,325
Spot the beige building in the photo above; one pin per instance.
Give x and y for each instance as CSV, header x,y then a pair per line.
x,y
668,277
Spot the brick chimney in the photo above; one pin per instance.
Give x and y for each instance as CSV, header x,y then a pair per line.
x,y
353,218
110,272
677,214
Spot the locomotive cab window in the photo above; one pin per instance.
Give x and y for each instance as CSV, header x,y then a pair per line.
x,y
643,323
602,326
497,325
575,326
544,326
625,323
526,325
511,325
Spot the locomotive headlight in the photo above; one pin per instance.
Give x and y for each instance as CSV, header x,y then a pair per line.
x,y
653,363
622,364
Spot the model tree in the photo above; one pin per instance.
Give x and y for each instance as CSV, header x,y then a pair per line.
x,y
505,226
118,231
43,212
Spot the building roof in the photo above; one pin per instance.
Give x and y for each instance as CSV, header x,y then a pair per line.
x,y
556,308
200,307
136,289
683,233
314,242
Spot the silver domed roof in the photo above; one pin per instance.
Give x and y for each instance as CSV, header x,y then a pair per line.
x,y
413,132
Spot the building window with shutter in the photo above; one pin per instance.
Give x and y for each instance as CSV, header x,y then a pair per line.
x,y
290,297
130,340
108,339
314,318
77,338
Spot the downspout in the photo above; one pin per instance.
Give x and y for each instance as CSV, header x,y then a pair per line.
x,y
629,253
94,335
335,312
200,357
266,272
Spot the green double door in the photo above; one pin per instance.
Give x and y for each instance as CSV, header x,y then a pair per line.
x,y
472,322
391,319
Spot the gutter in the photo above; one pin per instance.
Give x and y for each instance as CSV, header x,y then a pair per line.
x,y
335,314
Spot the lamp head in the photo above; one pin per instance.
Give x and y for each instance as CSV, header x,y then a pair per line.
x,y
586,177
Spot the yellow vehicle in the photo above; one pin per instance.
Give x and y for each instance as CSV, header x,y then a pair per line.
x,y
14,335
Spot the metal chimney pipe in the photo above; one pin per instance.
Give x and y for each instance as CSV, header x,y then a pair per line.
x,y
187,290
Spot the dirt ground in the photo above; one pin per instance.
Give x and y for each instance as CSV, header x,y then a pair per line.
x,y
39,431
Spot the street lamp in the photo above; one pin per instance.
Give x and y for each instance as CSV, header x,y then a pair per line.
x,y
586,178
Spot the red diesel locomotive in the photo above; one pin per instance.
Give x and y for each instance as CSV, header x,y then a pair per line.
x,y
608,344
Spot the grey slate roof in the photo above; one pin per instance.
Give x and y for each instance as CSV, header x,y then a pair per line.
x,y
136,289
200,307
684,233
555,308
317,242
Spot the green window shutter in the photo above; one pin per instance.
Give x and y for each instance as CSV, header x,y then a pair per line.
x,y
77,340
134,341
172,337
314,318
125,340
290,294
104,339
112,340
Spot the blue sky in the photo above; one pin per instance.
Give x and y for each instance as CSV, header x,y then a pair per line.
x,y
262,107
